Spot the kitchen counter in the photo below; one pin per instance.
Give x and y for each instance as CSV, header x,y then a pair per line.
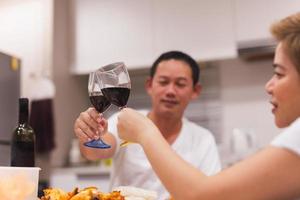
x,y
82,176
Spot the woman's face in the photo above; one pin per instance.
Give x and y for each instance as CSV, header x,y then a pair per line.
x,y
284,89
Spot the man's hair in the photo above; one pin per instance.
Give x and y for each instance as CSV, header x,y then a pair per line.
x,y
178,55
287,31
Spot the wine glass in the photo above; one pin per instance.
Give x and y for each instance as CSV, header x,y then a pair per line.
x,y
100,103
115,84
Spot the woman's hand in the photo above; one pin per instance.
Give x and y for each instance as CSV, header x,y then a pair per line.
x,y
134,127
90,125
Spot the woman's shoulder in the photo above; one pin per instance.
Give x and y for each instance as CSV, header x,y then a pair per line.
x,y
289,138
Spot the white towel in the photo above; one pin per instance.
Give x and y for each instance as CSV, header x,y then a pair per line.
x,y
41,88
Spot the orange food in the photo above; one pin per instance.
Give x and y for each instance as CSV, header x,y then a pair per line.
x,y
90,193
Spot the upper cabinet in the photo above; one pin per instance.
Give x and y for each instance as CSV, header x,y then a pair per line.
x,y
202,28
254,17
110,31
137,31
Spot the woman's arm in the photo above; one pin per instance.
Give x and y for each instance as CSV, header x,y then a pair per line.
x,y
273,173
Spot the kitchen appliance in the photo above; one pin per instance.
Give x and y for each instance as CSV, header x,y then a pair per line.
x,y
10,93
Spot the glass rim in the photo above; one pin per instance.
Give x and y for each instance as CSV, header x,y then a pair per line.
x,y
110,67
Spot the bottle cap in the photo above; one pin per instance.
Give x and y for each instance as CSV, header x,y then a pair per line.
x,y
23,110
23,101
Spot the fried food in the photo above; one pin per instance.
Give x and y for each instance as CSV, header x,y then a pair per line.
x,y
55,194
89,193
114,195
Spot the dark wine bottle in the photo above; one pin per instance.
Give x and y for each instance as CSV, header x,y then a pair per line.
x,y
23,139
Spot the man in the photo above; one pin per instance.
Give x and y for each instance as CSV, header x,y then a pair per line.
x,y
172,84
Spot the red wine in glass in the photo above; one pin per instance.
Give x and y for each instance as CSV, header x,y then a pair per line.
x,y
100,102
117,95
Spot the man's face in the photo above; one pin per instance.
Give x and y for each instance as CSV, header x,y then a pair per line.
x,y
171,88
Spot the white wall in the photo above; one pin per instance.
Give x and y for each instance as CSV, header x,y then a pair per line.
x,y
71,91
253,17
26,32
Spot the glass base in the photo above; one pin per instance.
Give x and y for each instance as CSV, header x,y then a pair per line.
x,y
97,144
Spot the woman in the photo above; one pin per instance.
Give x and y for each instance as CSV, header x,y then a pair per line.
x,y
273,173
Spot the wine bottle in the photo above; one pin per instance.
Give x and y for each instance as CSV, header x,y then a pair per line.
x,y
23,139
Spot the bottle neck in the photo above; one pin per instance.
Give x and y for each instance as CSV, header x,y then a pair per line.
x,y
23,111
23,118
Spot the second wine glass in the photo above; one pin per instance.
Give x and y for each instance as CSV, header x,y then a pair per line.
x,y
100,103
115,84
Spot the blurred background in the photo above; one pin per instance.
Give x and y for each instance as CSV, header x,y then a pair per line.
x,y
58,42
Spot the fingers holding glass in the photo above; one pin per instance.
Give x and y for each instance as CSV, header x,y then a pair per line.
x,y
88,127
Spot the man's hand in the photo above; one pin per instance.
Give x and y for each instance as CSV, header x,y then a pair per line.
x,y
90,125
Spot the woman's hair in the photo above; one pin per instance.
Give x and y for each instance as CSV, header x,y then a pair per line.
x,y
287,31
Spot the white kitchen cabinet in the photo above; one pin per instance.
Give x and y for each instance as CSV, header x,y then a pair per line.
x,y
137,31
202,28
111,31
254,17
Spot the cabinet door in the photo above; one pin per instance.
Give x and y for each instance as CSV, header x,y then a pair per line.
x,y
202,28
111,31
254,17
138,31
